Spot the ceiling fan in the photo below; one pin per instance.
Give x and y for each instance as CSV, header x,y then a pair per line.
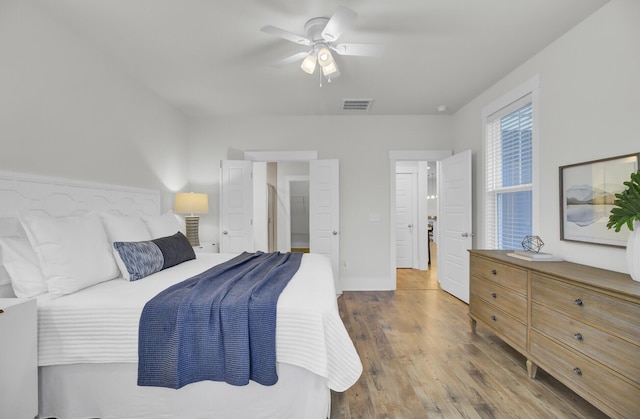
x,y
321,37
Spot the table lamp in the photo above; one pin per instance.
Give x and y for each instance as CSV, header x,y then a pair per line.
x,y
192,203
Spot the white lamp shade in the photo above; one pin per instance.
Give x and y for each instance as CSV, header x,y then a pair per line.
x,y
326,61
309,64
329,68
324,57
191,203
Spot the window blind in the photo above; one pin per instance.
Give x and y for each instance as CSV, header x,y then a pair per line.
x,y
509,173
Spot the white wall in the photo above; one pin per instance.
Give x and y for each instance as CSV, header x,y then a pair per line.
x,y
65,111
589,109
362,145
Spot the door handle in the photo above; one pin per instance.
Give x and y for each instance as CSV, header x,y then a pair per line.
x,y
224,232
468,234
335,233
410,226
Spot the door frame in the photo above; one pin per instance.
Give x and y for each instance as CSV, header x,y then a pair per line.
x,y
405,155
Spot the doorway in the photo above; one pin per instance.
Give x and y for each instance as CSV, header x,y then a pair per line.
x,y
281,206
238,213
414,180
420,159
299,210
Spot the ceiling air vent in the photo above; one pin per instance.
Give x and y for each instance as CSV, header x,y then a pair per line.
x,y
359,105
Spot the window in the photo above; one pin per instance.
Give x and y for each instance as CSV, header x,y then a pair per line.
x,y
510,174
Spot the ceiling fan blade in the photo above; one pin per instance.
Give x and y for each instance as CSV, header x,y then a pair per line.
x,y
289,36
341,20
291,59
362,50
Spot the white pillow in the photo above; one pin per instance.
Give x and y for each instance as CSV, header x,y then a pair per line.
x,y
162,225
21,262
74,252
122,228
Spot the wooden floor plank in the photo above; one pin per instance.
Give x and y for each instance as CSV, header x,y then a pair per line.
x,y
420,360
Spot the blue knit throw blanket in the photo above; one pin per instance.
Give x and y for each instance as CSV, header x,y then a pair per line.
x,y
219,325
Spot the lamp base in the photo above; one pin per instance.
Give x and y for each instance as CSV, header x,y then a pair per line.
x,y
192,224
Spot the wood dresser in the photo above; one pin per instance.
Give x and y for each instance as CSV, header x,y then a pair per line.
x,y
580,324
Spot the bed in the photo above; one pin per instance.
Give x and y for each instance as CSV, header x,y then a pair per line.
x,y
88,337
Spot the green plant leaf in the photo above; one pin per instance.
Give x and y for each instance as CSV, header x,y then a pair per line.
x,y
626,208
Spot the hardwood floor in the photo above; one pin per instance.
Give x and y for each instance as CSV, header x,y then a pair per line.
x,y
413,279
420,360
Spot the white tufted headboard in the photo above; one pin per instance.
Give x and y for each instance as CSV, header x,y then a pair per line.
x,y
22,193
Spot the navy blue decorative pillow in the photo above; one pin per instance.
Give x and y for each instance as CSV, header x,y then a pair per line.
x,y
139,259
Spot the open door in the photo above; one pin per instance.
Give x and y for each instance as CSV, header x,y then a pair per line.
x,y
236,206
455,224
324,213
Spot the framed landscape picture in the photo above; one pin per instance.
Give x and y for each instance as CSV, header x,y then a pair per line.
x,y
587,193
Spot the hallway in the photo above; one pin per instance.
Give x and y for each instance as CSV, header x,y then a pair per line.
x,y
413,279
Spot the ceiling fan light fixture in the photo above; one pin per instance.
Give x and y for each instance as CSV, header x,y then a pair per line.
x,y
324,57
309,64
329,69
326,61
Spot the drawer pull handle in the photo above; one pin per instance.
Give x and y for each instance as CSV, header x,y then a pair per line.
x,y
578,336
578,302
494,295
494,272
494,318
577,370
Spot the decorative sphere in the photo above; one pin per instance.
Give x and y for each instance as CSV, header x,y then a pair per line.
x,y
532,244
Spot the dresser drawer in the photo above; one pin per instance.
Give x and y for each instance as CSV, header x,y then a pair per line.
x,y
586,377
501,297
608,313
507,276
509,329
616,353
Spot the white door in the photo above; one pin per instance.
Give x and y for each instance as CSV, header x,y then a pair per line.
x,y
404,220
236,206
455,224
324,213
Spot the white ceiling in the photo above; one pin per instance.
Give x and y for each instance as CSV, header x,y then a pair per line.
x,y
209,58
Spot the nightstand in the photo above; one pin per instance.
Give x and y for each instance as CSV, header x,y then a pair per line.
x,y
206,247
18,358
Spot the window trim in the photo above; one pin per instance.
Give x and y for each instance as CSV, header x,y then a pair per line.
x,y
530,87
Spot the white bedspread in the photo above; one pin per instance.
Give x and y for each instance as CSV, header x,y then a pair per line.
x,y
100,324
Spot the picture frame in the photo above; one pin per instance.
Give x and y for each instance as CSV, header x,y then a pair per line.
x,y
587,193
